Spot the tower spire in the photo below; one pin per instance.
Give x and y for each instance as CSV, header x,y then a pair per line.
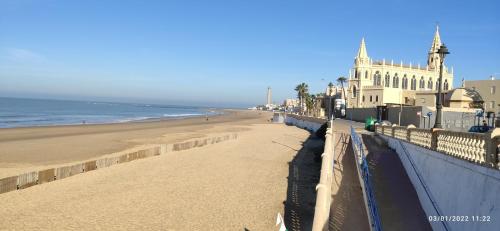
x,y
436,42
433,57
362,49
362,58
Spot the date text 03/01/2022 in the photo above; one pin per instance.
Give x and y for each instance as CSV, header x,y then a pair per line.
x,y
460,218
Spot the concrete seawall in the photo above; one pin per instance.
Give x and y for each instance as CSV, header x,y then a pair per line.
x,y
455,194
309,123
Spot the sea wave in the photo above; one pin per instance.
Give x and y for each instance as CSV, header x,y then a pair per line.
x,y
182,115
41,112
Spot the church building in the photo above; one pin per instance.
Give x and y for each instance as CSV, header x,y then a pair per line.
x,y
381,83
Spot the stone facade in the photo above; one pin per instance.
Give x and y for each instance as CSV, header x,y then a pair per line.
x,y
489,91
378,83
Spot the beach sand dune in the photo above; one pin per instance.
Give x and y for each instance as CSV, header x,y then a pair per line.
x,y
234,185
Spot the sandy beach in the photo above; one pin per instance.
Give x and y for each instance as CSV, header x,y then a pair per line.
x,y
236,185
23,149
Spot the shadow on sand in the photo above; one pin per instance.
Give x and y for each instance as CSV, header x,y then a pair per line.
x,y
303,176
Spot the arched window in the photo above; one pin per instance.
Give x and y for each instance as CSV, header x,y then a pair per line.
x,y
437,84
371,99
376,98
395,81
413,83
445,84
387,80
377,79
363,98
366,74
405,82
422,83
354,91
429,84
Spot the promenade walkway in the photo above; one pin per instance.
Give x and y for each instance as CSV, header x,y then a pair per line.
x,y
347,211
397,201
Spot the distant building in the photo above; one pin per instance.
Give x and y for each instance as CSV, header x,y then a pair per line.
x,y
488,89
333,100
291,102
463,98
380,83
456,98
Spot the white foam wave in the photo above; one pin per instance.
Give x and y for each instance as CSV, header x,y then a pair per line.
x,y
182,115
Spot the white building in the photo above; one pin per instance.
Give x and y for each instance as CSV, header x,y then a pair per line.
x,y
378,83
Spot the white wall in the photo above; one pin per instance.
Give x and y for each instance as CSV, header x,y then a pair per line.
x,y
457,187
308,125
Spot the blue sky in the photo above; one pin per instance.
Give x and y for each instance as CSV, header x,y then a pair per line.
x,y
225,53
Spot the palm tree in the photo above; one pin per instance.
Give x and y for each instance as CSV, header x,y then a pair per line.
x,y
342,80
330,85
302,89
310,99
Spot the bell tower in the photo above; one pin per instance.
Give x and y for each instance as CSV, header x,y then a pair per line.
x,y
361,74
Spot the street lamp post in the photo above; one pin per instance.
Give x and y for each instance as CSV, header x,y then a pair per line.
x,y
442,51
330,104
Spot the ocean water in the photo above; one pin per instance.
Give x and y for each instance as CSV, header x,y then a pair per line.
x,y
16,112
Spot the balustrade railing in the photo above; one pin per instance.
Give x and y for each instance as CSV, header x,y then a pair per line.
x,y
400,133
387,131
496,155
480,148
465,145
422,137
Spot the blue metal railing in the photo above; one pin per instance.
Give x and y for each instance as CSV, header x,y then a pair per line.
x,y
357,145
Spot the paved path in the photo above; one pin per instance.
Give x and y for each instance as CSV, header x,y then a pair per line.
x,y
348,209
395,196
397,200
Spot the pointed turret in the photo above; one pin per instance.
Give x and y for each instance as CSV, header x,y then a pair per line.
x,y
433,57
362,57
436,42
362,50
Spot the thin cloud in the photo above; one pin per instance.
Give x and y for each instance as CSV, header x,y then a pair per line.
x,y
23,55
